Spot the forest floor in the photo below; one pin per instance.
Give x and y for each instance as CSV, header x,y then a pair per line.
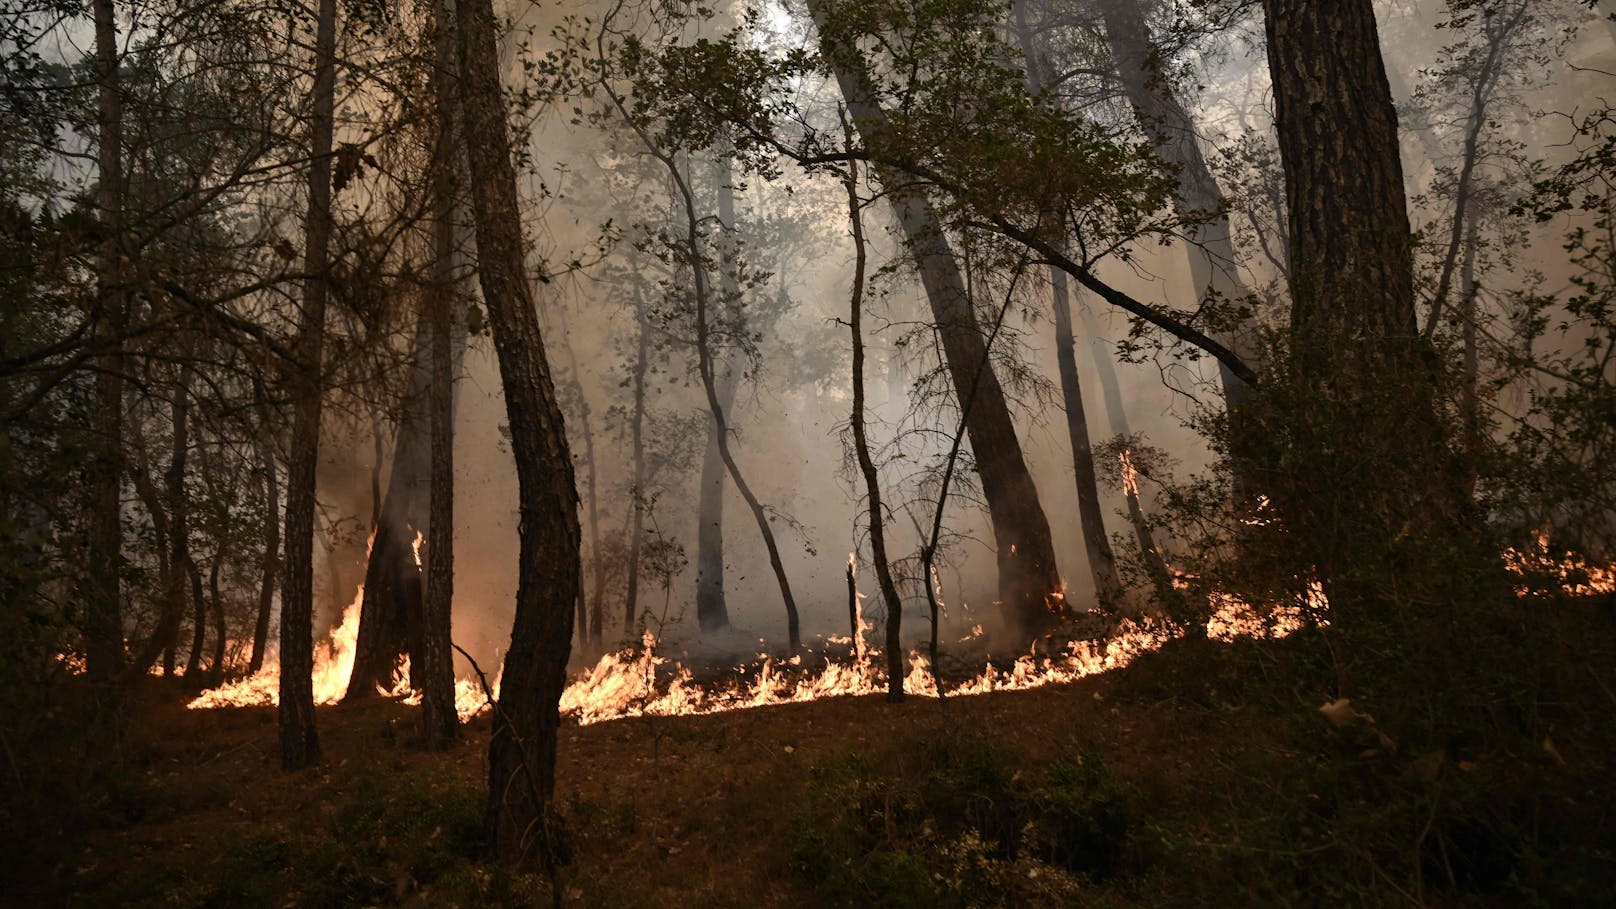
x,y
1159,771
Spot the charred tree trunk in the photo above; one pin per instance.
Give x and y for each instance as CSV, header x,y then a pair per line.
x,y
872,477
439,721
216,608
1029,582
103,625
300,746
522,824
389,612
1117,416
1102,563
272,545
199,621
709,381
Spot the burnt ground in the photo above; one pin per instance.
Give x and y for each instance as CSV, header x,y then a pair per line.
x,y
1199,758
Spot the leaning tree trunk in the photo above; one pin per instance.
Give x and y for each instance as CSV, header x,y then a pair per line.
x,y
1029,582
103,625
1171,131
522,824
872,477
439,720
300,745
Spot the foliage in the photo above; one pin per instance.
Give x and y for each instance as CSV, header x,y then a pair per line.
x,y
954,824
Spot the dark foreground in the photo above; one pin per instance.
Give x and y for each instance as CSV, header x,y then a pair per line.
x,y
1195,777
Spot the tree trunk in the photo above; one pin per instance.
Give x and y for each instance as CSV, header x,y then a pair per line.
x,y
389,611
1171,131
705,365
1029,582
591,614
300,746
1097,546
272,545
711,611
103,625
1365,481
216,607
642,355
872,477
1117,415
522,824
439,720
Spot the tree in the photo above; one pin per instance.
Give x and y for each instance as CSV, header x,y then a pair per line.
x,y
1097,546
861,447
300,745
1369,452
521,824
1029,582
438,717
103,619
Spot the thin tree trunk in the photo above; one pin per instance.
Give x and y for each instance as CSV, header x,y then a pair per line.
x,y
1097,546
300,745
272,545
591,616
709,381
872,478
642,355
1117,415
103,637
438,717
1470,392
1500,30
522,824
711,611
216,607
1029,582
199,621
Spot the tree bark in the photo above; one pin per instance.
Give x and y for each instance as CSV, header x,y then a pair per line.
x,y
1029,582
1365,480
521,824
300,745
103,624
872,477
439,720
272,544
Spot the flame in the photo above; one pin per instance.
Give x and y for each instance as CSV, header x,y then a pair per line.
x,y
415,547
333,665
631,683
1130,474
1575,576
